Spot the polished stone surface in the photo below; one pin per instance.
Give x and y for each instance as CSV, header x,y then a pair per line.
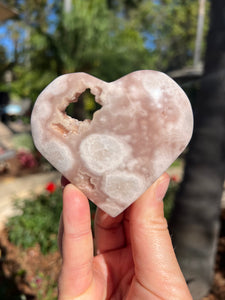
x,y
144,124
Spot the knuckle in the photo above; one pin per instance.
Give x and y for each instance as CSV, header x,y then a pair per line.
x,y
153,225
77,235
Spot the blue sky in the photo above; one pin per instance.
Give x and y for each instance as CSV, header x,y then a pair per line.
x,y
7,43
5,40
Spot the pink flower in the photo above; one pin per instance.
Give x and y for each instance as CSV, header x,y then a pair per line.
x,y
38,280
50,187
26,159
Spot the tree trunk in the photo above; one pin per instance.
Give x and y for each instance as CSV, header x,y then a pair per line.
x,y
194,224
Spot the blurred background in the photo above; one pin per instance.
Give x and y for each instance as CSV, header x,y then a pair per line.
x,y
42,39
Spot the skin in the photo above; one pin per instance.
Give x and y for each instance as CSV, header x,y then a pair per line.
x,y
134,255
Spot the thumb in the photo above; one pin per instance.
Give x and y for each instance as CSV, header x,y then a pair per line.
x,y
156,266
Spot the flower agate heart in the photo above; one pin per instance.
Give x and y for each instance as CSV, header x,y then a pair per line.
x,y
144,124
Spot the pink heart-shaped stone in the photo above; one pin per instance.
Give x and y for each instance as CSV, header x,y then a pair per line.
x,y
144,124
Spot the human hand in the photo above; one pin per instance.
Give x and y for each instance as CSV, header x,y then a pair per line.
x,y
135,257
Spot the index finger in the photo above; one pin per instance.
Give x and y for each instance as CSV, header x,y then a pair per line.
x,y
77,243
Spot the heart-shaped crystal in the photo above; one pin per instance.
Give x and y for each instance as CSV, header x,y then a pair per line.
x,y
144,124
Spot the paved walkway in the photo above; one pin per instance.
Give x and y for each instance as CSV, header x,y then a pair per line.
x,y
20,188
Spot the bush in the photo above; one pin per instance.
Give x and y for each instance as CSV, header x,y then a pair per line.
x,y
38,222
23,141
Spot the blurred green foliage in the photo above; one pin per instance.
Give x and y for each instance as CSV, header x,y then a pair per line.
x,y
23,141
39,219
169,198
106,38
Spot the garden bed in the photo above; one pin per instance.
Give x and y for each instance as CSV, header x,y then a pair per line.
x,y
28,274
30,262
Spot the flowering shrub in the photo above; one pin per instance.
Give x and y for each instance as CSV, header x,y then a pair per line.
x,y
44,287
50,187
26,159
39,221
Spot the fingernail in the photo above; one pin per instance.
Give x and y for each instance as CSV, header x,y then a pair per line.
x,y
161,189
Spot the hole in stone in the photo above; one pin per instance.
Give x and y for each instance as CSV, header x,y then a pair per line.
x,y
84,108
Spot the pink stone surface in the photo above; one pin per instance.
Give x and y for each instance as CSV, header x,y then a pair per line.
x,y
144,124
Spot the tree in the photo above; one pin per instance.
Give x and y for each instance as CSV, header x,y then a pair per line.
x,y
105,38
3,62
90,38
176,32
169,27
32,16
195,221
